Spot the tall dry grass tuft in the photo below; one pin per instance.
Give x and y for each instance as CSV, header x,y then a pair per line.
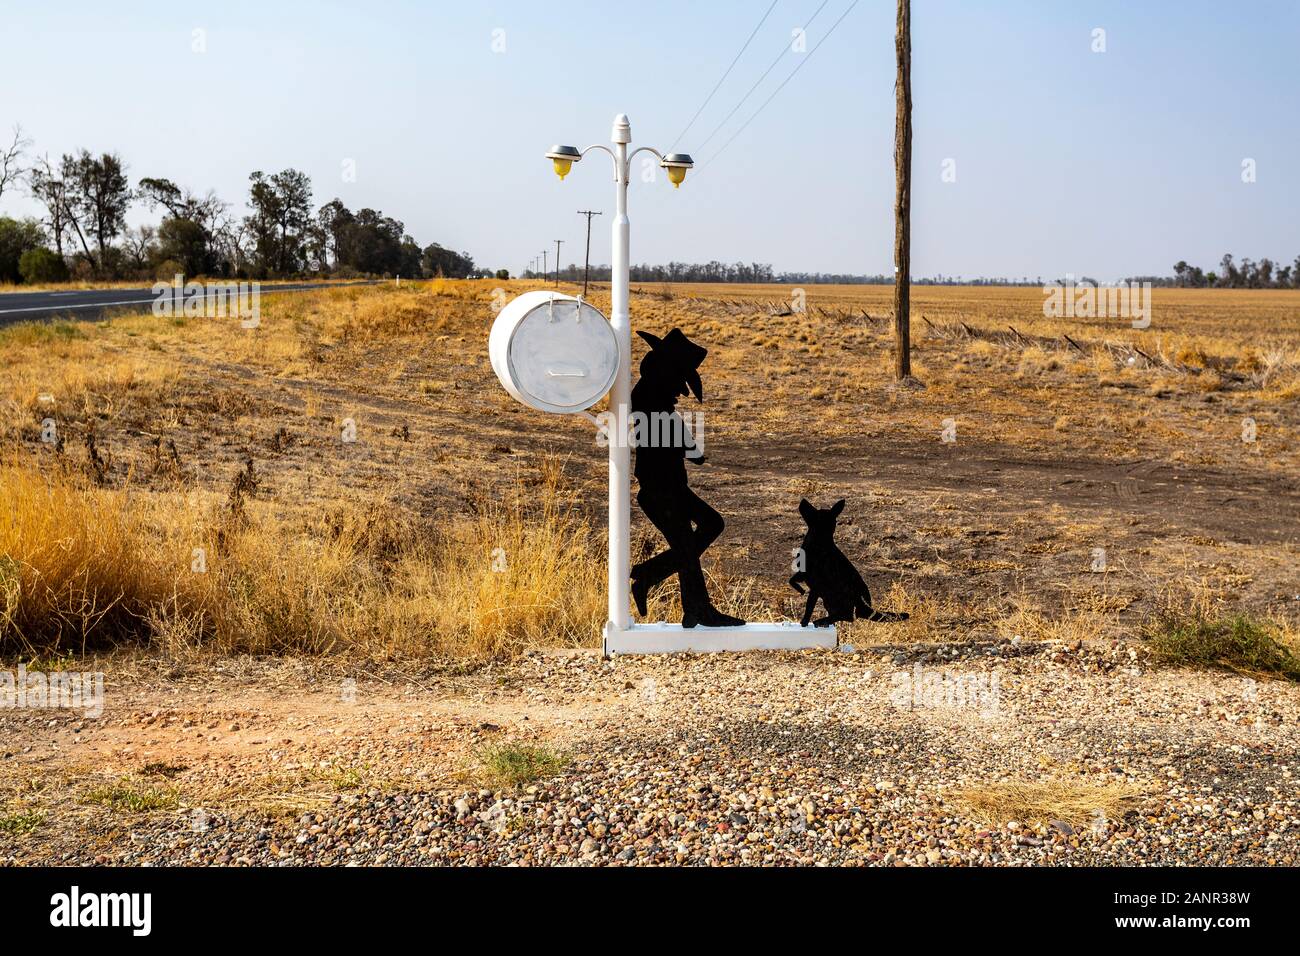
x,y
525,572
82,566
79,567
1094,616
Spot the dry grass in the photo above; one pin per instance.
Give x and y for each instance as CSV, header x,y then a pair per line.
x,y
514,576
78,566
1077,802
71,285
1094,615
62,371
386,547
88,567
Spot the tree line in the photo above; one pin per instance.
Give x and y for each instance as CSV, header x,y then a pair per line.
x,y
758,272
1247,274
84,234
738,272
674,272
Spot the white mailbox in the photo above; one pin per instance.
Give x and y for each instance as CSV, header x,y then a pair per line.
x,y
553,352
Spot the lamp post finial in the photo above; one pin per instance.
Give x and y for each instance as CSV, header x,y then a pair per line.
x,y
622,132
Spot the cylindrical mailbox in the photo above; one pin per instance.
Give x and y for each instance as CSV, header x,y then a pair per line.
x,y
553,352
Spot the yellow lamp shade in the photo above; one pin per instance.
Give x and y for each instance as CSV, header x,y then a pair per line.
x,y
676,164
562,159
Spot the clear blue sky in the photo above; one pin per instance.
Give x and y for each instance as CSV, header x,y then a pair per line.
x,y
1105,164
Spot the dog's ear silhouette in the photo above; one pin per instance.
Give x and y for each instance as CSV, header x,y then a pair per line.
x,y
807,510
837,508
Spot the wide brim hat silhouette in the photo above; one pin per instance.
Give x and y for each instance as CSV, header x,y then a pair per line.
x,y
678,354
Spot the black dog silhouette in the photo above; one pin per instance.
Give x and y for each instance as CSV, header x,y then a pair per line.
x,y
830,575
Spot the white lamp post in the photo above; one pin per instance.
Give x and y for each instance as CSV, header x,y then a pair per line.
x,y
621,636
620,454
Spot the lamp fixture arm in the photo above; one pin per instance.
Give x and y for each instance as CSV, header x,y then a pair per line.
x,y
640,149
602,146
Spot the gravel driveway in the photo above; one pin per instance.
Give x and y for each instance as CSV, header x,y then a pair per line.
x,y
817,758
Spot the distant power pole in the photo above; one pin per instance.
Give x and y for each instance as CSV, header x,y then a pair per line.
x,y
557,260
544,269
903,194
586,265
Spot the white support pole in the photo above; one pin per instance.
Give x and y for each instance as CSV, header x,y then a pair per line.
x,y
620,398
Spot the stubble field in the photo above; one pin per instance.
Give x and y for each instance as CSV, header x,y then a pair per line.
x,y
1049,494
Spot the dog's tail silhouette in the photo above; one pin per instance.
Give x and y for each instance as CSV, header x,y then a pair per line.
x,y
883,616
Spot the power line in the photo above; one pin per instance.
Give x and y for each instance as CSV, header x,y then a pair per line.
x,y
784,48
785,81
678,138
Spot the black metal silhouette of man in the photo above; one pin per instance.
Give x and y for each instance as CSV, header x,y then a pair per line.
x,y
662,442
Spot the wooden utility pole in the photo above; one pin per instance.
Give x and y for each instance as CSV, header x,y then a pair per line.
x,y
544,269
903,194
586,265
557,261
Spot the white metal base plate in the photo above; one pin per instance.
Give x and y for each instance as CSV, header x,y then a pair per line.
x,y
675,639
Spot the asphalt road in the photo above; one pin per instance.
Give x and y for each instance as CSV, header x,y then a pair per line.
x,y
96,303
